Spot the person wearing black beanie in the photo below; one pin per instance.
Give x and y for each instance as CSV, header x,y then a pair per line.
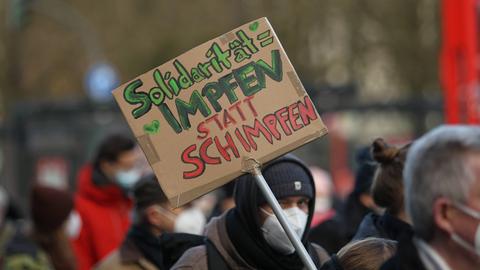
x,y
249,235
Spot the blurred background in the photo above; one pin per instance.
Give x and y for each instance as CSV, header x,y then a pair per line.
x,y
373,68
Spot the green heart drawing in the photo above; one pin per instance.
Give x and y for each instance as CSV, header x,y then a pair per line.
x,y
254,26
152,128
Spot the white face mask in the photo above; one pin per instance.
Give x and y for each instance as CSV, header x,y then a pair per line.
x,y
127,178
276,236
73,225
191,220
460,241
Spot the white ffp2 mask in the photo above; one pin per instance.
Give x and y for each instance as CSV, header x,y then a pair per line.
x,y
276,236
191,220
462,242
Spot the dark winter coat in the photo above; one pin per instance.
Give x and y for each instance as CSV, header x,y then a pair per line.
x,y
385,226
144,251
406,257
237,236
335,233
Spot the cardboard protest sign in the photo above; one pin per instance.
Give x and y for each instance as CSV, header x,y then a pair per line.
x,y
199,115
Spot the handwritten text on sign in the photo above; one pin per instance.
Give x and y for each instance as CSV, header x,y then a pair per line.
x,y
232,97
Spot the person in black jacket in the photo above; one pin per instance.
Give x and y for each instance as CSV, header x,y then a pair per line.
x,y
387,192
442,197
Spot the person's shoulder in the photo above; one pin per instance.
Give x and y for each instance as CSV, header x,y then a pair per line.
x,y
369,227
321,252
193,258
112,261
23,253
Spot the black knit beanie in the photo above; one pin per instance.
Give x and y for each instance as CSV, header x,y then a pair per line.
x,y
287,178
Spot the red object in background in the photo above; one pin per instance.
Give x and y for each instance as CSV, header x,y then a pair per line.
x,y
52,171
340,171
459,67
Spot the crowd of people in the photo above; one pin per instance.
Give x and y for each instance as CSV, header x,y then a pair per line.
x,y
414,206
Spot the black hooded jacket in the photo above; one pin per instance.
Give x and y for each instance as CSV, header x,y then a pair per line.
x,y
238,238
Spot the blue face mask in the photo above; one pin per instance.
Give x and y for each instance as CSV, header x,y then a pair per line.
x,y
126,179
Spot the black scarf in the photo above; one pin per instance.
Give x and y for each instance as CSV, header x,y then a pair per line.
x,y
148,244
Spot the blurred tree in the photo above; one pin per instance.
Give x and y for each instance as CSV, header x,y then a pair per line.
x,y
387,48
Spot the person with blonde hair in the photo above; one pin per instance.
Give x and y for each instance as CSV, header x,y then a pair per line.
x,y
367,254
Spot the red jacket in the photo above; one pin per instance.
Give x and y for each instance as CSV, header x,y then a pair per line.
x,y
105,215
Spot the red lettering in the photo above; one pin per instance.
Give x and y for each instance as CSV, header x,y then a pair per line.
x,y
270,122
239,110
215,117
228,119
245,145
250,105
255,132
201,128
196,161
230,145
204,153
307,111
282,117
293,117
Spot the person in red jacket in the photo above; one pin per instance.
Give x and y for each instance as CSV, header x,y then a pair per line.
x,y
101,201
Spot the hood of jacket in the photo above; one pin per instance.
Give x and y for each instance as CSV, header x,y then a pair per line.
x,y
93,186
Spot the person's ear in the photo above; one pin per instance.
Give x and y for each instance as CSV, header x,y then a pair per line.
x,y
153,216
442,215
107,167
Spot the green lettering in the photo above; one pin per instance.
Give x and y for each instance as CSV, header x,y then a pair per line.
x,y
168,115
274,71
203,67
221,57
185,108
158,78
248,42
197,75
228,87
245,82
213,91
133,97
184,79
157,96
174,85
